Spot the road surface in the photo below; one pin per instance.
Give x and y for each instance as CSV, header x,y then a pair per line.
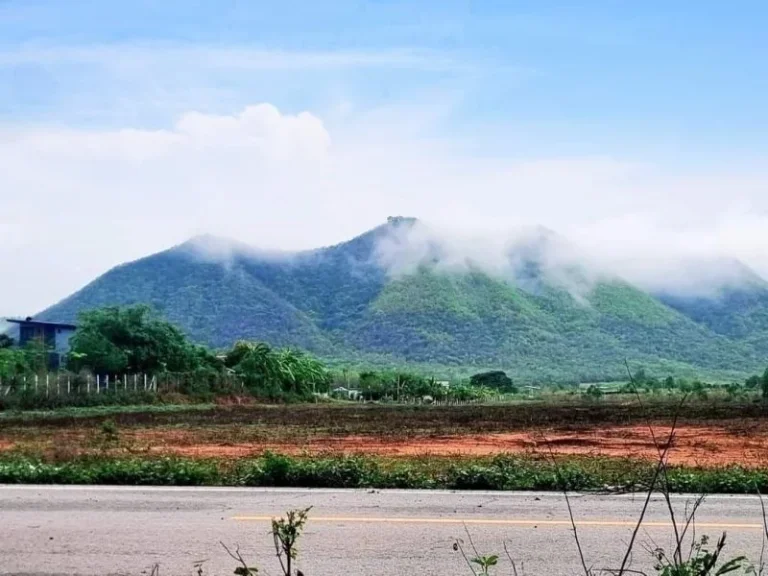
x,y
127,530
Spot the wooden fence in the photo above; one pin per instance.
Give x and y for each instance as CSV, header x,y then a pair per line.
x,y
54,384
64,383
60,383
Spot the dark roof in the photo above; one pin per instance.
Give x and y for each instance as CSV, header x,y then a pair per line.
x,y
31,322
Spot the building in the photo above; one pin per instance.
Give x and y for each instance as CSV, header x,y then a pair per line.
x,y
55,335
345,393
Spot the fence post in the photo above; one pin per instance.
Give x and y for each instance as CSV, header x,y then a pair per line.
x,y
58,384
98,383
134,382
37,379
88,384
47,384
145,381
25,382
69,385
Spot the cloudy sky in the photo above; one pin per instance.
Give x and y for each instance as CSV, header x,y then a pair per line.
x,y
638,130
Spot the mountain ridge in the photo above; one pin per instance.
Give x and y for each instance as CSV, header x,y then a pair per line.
x,y
348,302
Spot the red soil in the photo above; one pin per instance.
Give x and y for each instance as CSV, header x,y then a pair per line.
x,y
744,443
705,446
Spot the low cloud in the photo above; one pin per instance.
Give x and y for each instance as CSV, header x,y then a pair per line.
x,y
527,255
76,202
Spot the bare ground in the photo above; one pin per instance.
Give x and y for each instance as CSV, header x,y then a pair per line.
x,y
744,443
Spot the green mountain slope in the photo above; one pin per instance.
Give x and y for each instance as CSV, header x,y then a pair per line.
x,y
475,319
212,303
736,308
342,303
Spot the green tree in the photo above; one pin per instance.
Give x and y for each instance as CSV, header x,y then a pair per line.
x,y
753,382
12,363
595,392
764,384
275,373
132,339
5,341
497,379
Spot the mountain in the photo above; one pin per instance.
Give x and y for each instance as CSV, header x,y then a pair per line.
x,y
399,294
737,310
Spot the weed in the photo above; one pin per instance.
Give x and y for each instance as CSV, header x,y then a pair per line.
x,y
109,432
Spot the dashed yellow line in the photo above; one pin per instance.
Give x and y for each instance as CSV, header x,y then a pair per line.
x,y
502,522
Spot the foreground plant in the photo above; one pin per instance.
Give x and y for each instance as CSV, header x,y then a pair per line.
x,y
285,533
702,561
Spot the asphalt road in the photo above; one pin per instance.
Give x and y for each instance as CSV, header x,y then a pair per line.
x,y
106,530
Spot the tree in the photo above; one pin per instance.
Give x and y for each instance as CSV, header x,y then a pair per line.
x,y
275,373
132,339
497,379
764,384
12,363
5,341
595,392
753,382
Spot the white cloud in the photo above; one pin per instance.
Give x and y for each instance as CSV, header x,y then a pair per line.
x,y
75,202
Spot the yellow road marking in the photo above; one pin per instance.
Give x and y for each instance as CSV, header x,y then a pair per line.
x,y
498,522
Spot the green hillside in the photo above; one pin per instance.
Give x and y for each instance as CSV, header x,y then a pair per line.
x,y
340,303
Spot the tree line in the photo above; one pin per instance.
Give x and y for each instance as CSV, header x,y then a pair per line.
x,y
135,340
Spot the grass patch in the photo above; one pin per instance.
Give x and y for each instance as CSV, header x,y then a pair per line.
x,y
374,419
96,411
502,472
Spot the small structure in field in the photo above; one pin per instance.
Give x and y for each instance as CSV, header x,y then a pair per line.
x,y
345,393
54,335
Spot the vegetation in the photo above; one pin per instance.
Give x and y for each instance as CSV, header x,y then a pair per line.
x,y
503,472
38,400
133,340
497,380
561,409
5,341
340,304
700,560
276,374
407,386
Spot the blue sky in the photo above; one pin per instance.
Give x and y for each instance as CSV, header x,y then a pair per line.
x,y
294,124
645,77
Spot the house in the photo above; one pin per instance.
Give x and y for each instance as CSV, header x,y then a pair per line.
x,y
55,335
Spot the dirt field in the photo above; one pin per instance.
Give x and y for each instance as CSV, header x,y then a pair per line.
x,y
744,442
692,445
708,434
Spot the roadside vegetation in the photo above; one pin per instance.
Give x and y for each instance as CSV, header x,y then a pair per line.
x,y
502,472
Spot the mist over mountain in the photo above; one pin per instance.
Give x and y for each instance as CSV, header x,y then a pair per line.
x,y
529,301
